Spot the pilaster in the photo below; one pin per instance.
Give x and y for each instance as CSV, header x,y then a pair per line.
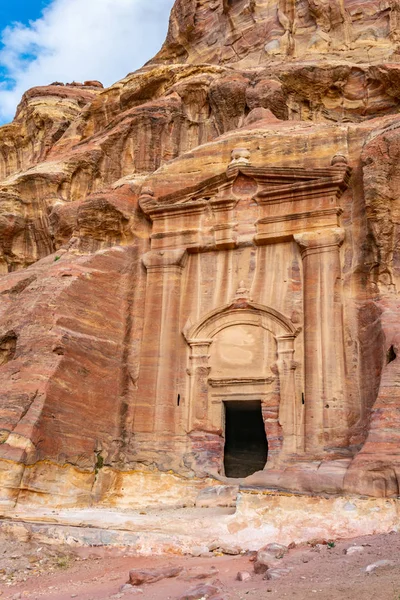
x,y
290,406
326,414
157,394
199,371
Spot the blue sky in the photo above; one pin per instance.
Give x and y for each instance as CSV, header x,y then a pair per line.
x,y
20,10
74,40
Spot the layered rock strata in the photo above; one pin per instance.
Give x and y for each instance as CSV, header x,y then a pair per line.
x,y
210,240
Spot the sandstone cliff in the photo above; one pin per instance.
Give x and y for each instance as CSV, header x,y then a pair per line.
x,y
89,322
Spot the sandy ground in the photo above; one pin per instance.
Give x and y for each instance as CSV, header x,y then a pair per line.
x,y
318,571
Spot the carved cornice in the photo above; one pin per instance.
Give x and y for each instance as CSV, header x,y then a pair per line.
x,y
336,184
192,195
284,202
299,216
280,177
278,183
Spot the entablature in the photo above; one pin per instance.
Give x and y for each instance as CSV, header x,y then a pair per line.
x,y
285,201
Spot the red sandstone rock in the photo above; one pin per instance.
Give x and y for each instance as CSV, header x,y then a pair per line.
x,y
93,83
276,573
195,573
220,495
243,576
141,576
274,550
260,567
207,591
253,33
221,224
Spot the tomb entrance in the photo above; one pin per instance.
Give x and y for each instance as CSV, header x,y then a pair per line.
x,y
246,445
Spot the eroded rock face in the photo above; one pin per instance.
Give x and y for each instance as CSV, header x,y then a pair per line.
x,y
205,256
253,32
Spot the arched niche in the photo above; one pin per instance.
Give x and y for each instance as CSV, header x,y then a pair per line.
x,y
244,352
250,312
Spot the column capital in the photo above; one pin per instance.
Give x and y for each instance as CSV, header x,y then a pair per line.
x,y
165,259
198,345
311,242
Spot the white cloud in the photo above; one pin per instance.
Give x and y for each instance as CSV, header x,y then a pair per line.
x,y
76,40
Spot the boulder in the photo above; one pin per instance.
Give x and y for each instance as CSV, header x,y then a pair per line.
x,y
142,576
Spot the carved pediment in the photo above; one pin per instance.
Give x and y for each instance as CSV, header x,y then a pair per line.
x,y
273,183
283,201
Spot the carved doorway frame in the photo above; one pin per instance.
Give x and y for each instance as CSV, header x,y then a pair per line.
x,y
207,393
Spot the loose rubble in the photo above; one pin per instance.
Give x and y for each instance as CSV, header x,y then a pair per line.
x,y
321,568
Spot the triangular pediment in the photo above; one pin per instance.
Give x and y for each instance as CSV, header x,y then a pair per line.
x,y
271,183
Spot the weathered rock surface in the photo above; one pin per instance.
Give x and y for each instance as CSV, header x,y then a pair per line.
x,y
218,495
379,565
243,576
204,590
143,576
216,232
253,32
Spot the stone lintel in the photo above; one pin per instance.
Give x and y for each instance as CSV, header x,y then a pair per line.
x,y
226,381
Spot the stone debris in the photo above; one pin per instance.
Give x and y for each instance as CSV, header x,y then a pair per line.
x,y
243,576
235,580
128,587
33,558
201,592
198,573
219,549
276,573
277,550
380,564
200,551
141,576
354,550
260,568
231,550
271,554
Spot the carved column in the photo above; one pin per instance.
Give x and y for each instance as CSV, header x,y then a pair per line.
x,y
199,372
289,404
326,414
157,396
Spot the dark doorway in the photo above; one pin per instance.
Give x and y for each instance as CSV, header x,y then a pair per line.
x,y
246,446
